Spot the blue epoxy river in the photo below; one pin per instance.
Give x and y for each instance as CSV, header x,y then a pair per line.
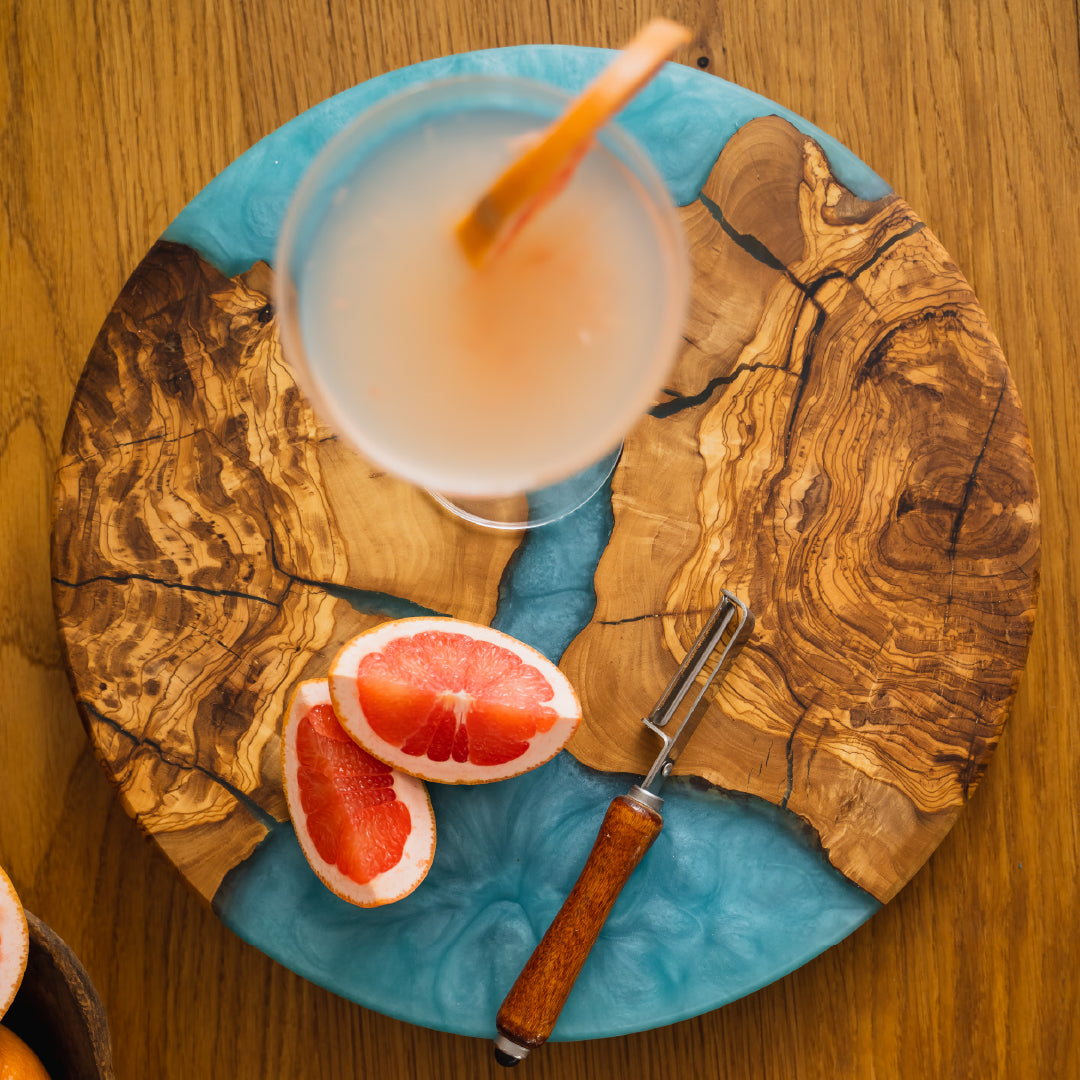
x,y
733,894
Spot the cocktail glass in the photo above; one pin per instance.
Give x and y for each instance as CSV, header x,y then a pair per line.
x,y
504,390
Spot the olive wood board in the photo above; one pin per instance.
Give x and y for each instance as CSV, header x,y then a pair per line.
x,y
840,444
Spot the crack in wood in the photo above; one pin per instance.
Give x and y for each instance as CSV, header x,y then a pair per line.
x,y
965,500
681,402
789,756
124,579
789,744
883,249
144,742
802,375
680,614
749,243
366,601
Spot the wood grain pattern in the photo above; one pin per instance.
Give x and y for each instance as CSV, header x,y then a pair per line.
x,y
208,531
117,113
864,481
841,445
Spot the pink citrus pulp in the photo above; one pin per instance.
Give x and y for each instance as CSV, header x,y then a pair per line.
x,y
367,830
451,701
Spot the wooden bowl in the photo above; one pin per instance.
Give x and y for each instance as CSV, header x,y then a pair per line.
x,y
58,1013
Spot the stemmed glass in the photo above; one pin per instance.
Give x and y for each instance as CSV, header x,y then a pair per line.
x,y
504,390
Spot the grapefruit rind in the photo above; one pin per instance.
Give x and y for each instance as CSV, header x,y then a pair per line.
x,y
14,942
562,709
415,862
547,164
17,1060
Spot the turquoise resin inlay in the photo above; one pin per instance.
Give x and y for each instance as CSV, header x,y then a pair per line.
x,y
734,894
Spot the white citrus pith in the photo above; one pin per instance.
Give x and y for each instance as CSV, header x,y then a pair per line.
x,y
367,830
451,701
14,942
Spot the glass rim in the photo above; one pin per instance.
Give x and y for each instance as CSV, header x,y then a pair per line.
x,y
336,159
374,119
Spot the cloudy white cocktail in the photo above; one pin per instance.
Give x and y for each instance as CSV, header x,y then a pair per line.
x,y
479,383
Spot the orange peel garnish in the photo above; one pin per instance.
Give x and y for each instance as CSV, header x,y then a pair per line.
x,y
544,168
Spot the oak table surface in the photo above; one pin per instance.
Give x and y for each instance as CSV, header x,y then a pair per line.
x,y
116,114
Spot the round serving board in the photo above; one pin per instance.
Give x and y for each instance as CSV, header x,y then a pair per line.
x,y
840,444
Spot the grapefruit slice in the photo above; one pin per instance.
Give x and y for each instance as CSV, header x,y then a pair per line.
x,y
367,831
541,171
14,942
452,701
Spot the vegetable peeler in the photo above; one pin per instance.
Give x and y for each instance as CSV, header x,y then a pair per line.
x,y
632,822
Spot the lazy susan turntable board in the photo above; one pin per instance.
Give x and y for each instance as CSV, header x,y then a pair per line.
x,y
841,444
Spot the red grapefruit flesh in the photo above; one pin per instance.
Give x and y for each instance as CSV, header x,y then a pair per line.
x,y
367,830
14,942
451,701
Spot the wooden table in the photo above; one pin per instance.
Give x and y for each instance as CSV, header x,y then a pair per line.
x,y
118,113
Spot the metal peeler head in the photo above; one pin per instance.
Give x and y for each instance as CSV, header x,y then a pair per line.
x,y
684,702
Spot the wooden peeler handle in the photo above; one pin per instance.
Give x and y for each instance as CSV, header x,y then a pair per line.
x,y
534,1002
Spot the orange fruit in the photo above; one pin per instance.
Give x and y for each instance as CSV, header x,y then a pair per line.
x,y
14,942
452,701
17,1060
547,164
367,831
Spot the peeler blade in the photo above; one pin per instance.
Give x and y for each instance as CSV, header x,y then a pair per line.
x,y
680,708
